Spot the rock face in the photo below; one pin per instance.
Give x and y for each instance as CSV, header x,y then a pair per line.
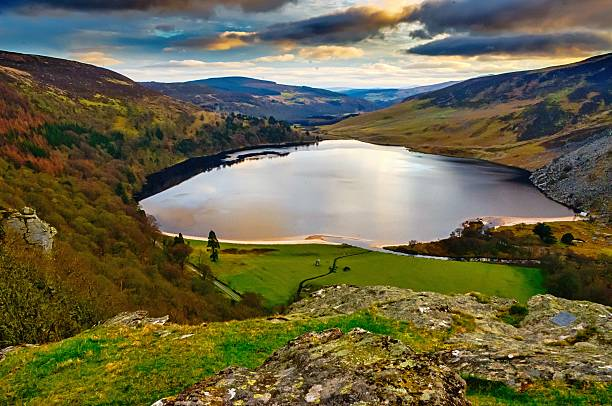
x,y
558,339
26,223
581,178
332,368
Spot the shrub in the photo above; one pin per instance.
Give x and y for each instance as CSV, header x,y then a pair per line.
x,y
544,231
567,239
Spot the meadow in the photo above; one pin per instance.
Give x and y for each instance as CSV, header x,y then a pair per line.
x,y
275,271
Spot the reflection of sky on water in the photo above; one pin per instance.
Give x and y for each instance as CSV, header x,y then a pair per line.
x,y
348,188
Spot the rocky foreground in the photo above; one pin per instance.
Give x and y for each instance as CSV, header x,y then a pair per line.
x,y
333,368
555,339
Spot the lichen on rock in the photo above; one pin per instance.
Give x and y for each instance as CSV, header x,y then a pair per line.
x,y
332,368
558,339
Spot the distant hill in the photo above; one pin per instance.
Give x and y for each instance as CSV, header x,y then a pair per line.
x,y
260,98
386,97
524,119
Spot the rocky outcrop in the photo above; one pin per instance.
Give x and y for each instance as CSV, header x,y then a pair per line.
x,y
580,177
332,368
558,339
27,224
135,319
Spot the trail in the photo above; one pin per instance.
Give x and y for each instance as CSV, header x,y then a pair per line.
x,y
222,287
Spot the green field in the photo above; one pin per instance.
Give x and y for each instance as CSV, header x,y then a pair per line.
x,y
275,271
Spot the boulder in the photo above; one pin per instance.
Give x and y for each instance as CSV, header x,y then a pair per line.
x,y
332,368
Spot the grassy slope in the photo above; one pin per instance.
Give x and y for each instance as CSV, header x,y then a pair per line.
x,y
485,117
276,274
138,366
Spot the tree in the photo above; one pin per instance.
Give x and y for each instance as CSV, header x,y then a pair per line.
x,y
214,246
567,239
544,231
179,252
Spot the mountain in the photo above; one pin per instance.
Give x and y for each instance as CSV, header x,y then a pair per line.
x,y
260,98
525,119
76,143
387,97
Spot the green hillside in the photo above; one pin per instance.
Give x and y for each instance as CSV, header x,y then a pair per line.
x,y
523,119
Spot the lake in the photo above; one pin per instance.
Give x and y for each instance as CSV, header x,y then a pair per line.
x,y
350,190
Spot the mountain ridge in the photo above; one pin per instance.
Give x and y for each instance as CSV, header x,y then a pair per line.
x,y
263,98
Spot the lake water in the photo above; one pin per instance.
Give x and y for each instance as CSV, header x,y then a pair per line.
x,y
374,194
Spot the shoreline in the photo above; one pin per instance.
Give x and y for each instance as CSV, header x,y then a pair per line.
x,y
494,221
178,173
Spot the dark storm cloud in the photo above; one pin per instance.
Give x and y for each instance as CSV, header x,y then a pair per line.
x,y
157,6
475,17
446,16
351,25
522,44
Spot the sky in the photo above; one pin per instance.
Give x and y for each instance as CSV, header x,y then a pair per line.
x,y
330,44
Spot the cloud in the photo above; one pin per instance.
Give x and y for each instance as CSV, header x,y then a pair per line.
x,y
447,16
200,7
276,58
196,64
572,43
327,52
95,58
348,26
498,26
223,42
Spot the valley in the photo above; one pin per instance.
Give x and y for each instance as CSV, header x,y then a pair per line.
x,y
84,156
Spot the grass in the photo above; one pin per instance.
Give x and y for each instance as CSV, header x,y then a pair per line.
x,y
481,392
275,271
139,366
594,234
120,365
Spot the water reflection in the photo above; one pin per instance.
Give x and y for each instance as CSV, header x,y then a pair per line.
x,y
346,188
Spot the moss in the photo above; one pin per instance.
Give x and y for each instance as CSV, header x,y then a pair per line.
x,y
515,315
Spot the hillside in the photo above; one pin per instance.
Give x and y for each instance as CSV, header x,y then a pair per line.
x,y
549,352
76,141
387,97
524,119
260,98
